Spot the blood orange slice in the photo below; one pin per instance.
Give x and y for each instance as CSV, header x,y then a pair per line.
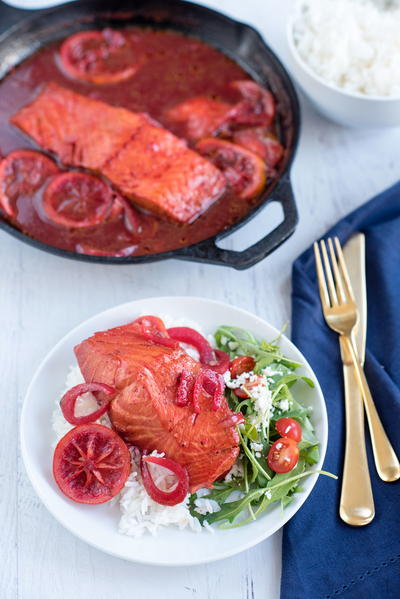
x,y
98,56
22,173
244,171
261,142
91,464
257,106
77,199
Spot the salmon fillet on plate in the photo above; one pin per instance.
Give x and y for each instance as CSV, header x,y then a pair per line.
x,y
144,410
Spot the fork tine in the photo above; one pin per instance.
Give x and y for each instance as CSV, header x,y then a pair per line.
x,y
336,273
331,285
343,268
323,290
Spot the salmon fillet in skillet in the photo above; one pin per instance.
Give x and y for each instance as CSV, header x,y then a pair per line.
x,y
144,411
145,162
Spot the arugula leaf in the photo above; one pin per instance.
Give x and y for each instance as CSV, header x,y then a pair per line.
x,y
247,345
279,492
286,500
221,494
311,454
230,510
254,462
250,432
192,508
308,437
290,379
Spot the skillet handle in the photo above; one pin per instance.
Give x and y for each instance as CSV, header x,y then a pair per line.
x,y
207,251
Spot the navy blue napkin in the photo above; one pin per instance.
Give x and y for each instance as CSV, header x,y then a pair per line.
x,y
323,558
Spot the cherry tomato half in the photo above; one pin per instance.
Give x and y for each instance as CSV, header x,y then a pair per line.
x,y
287,427
240,365
91,463
99,57
244,171
77,200
22,173
283,455
240,393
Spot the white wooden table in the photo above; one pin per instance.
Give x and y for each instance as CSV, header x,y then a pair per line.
x,y
42,297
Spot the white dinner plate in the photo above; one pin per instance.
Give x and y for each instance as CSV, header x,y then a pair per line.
x,y
97,525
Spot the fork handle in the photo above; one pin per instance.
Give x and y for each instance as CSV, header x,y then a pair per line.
x,y
356,499
386,461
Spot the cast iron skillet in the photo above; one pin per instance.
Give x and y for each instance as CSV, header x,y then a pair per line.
x,y
239,41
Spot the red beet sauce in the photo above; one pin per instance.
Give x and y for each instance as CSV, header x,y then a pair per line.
x,y
175,69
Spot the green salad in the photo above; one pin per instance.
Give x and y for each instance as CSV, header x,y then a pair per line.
x,y
278,446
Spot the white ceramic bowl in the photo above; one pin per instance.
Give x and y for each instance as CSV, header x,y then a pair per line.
x,y
346,108
97,525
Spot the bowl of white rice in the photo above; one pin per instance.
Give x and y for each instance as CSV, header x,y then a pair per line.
x,y
345,54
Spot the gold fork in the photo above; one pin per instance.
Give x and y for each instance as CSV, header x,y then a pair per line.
x,y
341,314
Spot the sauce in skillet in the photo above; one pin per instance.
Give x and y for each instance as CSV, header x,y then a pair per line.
x,y
176,68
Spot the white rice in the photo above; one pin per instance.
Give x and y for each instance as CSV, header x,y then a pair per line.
x,y
139,513
351,44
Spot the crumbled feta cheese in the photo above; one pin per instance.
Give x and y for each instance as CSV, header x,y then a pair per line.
x,y
262,399
206,506
224,340
284,405
256,446
268,371
233,345
235,472
268,494
227,378
239,381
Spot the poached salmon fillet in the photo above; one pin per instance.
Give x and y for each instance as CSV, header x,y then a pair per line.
x,y
146,163
144,411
